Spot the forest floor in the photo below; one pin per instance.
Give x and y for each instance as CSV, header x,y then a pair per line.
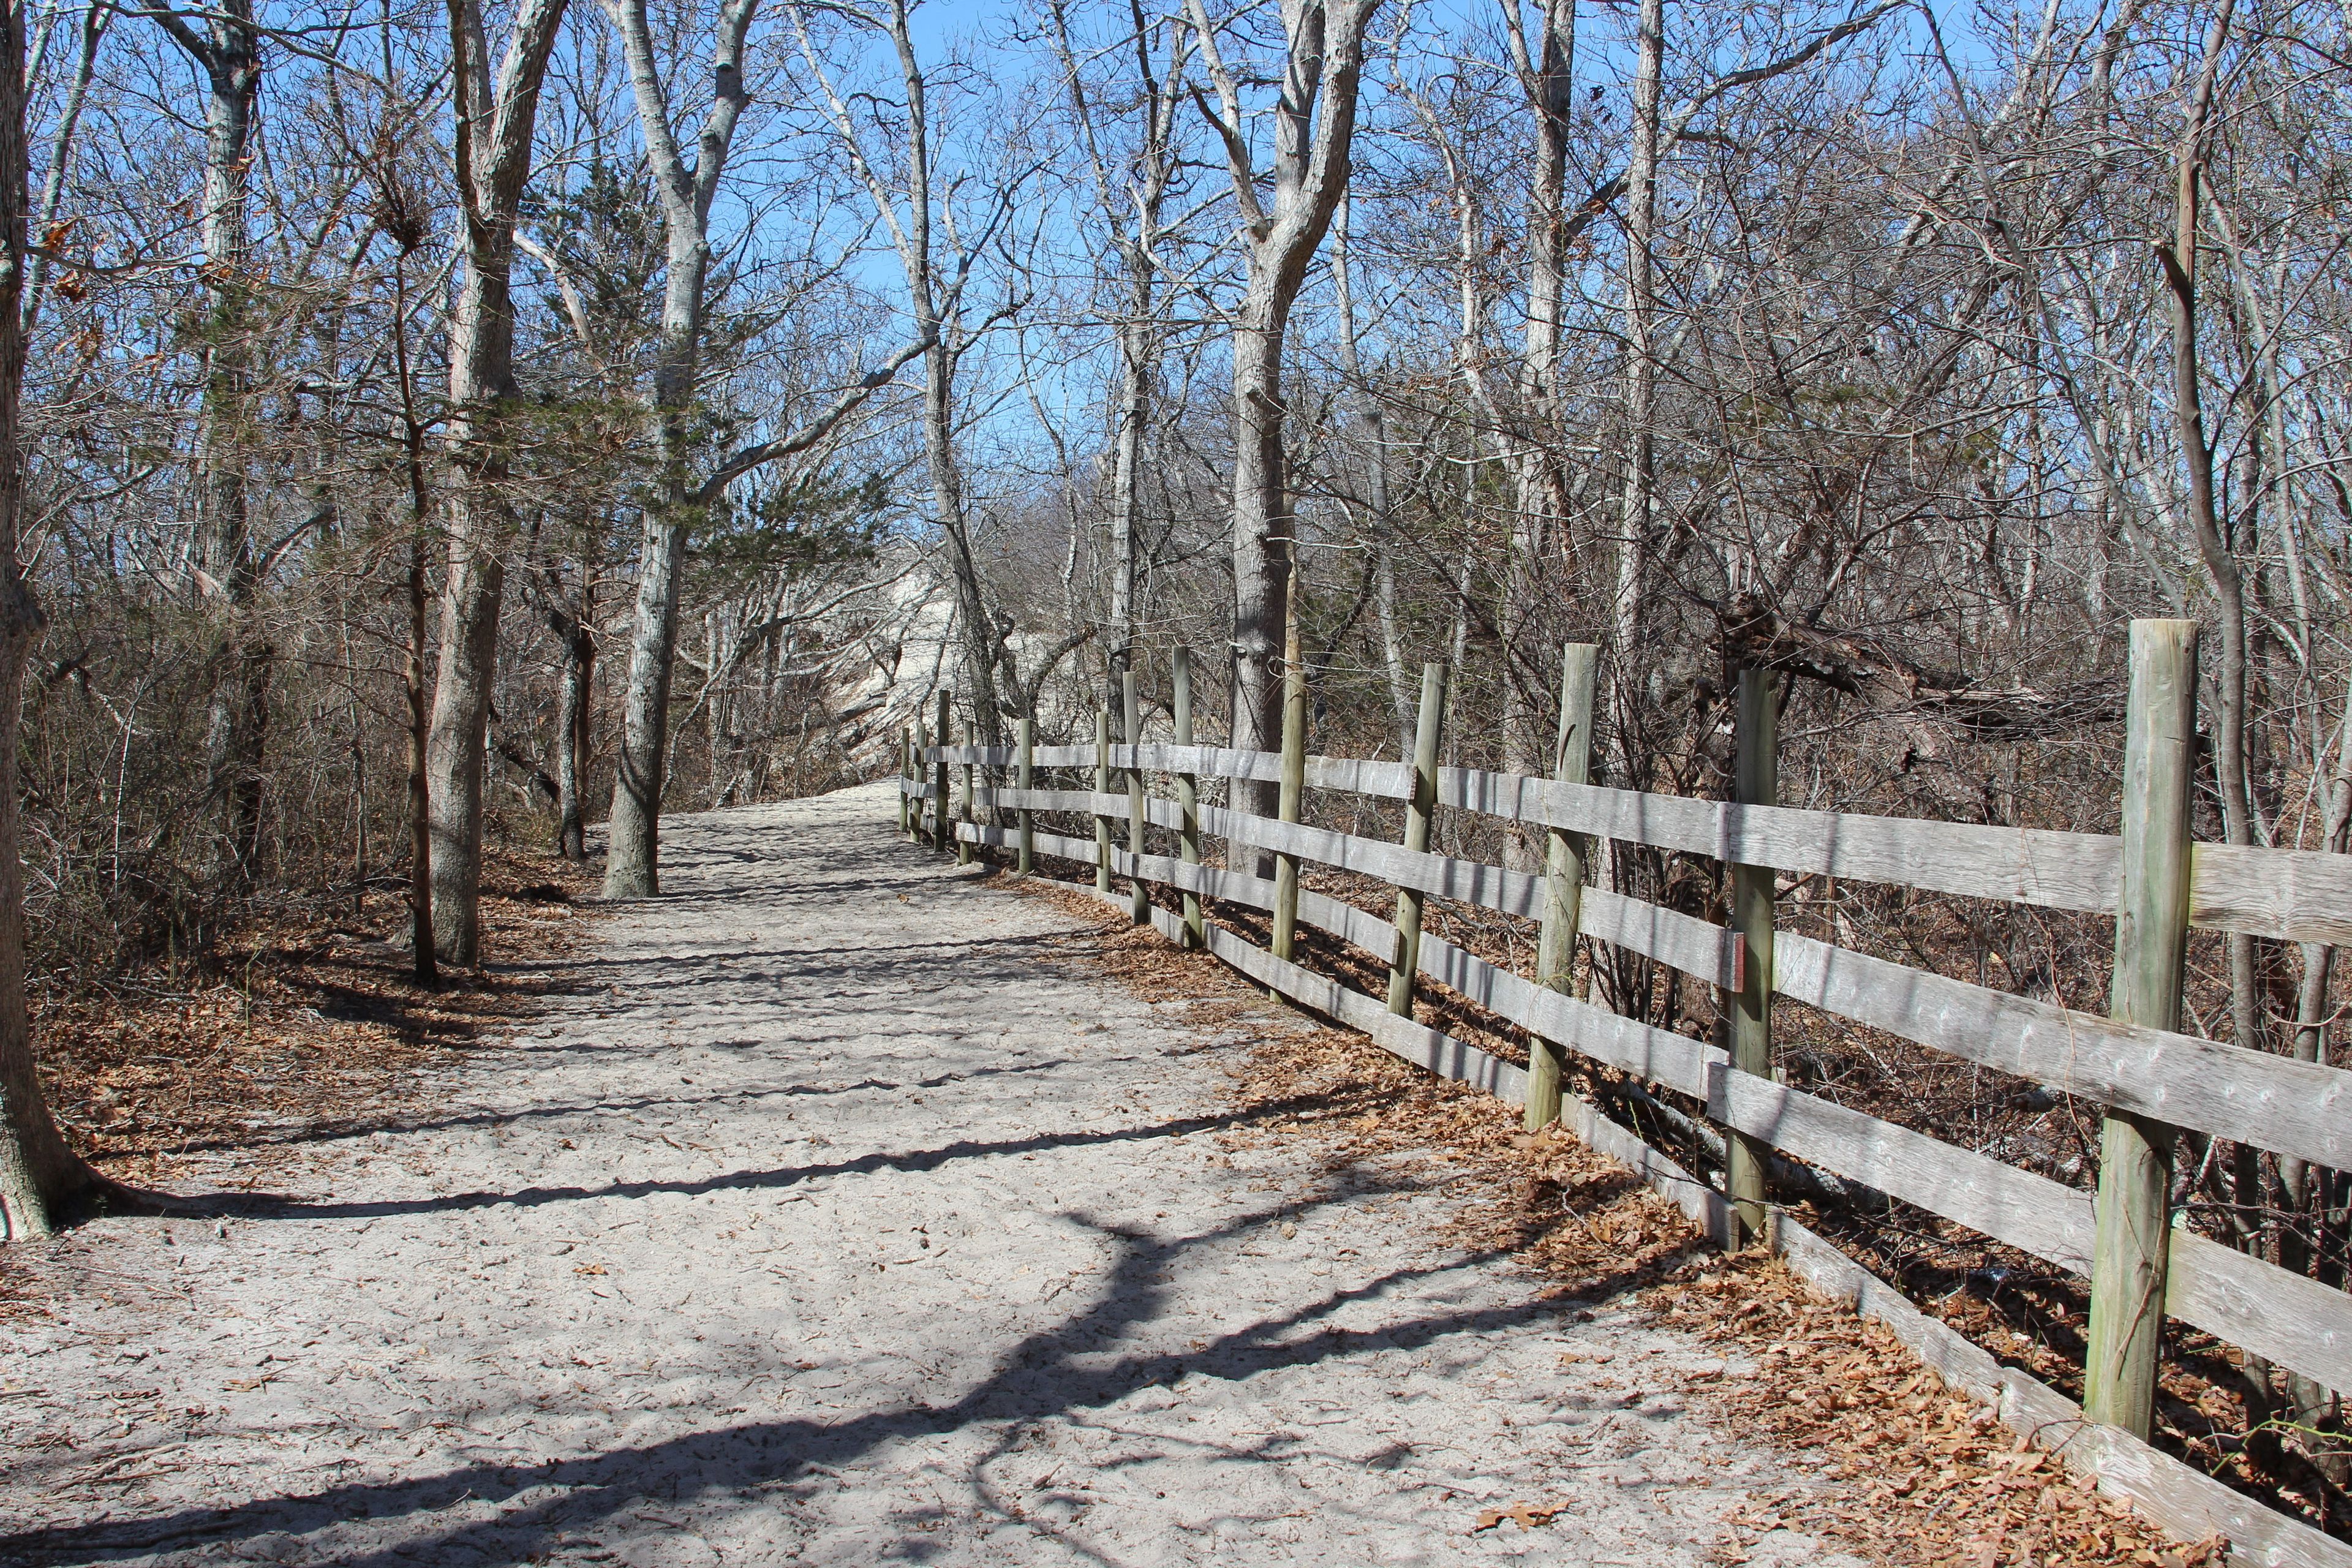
x,y
842,1206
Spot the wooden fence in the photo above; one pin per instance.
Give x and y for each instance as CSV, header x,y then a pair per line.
x,y
2152,1080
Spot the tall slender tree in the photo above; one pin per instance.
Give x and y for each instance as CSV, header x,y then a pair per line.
x,y
938,256
686,191
496,112
225,44
1132,184
1285,207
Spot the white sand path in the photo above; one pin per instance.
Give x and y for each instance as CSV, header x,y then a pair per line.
x,y
840,1217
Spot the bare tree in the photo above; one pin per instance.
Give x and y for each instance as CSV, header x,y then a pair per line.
x,y
939,260
1314,133
1633,518
1544,66
1132,187
495,117
685,194
227,51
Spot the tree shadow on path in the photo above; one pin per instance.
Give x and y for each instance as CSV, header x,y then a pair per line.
x,y
281,1206
1039,1378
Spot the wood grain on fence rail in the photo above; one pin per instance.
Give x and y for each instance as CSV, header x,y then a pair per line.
x,y
2289,1106
2293,895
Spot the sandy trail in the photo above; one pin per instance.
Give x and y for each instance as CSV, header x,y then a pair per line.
x,y
840,1217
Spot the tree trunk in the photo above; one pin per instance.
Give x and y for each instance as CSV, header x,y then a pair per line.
x,y
1539,485
1400,694
227,52
632,864
982,645
1314,135
1641,395
43,1184
420,821
1378,533
633,860
493,150
1129,199
934,298
95,17
1137,347
1262,534
2179,261
571,746
459,723
424,965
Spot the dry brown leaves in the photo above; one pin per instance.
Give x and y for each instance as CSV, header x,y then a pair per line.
x,y
1919,1474
302,1028
1901,1470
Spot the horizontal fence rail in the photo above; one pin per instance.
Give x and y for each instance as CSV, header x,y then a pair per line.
x,y
2293,895
2296,1109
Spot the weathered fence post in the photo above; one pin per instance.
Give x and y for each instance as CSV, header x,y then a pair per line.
x,y
2133,1231
1102,786
1418,810
1757,783
906,766
1290,797
1025,771
940,833
1188,801
1139,898
963,846
1564,901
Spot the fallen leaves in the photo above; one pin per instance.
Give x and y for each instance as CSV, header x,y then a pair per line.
x,y
1525,1515
1902,1467
306,1021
